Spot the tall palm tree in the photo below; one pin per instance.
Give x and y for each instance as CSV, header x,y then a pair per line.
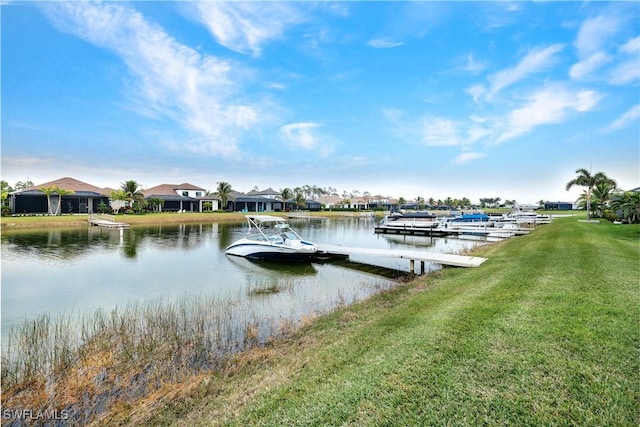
x,y
48,191
224,191
299,200
587,180
285,194
61,192
133,190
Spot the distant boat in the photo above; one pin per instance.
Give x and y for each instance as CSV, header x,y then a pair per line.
x,y
271,238
527,217
410,220
471,220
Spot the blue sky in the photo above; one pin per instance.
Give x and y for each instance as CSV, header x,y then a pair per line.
x,y
405,99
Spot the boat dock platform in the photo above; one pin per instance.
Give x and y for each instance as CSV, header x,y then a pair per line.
x,y
452,231
106,221
411,255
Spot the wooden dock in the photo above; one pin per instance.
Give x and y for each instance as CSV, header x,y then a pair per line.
x,y
106,221
411,255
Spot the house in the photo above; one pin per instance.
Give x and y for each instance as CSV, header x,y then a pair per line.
x,y
269,193
255,201
181,197
85,198
558,206
330,202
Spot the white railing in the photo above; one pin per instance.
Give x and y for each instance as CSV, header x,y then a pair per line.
x,y
101,217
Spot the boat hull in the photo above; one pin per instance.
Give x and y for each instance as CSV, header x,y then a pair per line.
x,y
253,251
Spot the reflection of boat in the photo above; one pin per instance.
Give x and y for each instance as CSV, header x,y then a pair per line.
x,y
275,271
270,237
410,220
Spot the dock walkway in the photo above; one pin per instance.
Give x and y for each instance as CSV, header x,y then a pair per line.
x,y
106,221
423,256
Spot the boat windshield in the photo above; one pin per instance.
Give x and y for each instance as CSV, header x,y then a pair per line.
x,y
271,229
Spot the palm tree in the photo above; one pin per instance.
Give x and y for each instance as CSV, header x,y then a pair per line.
x,y
156,203
299,200
224,191
285,194
629,205
601,197
587,180
420,202
48,191
61,192
133,190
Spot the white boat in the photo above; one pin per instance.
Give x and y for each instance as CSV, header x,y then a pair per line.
x,y
527,217
271,238
410,220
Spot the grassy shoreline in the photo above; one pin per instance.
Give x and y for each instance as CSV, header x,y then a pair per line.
x,y
544,333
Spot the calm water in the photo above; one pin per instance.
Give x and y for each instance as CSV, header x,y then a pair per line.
x,y
81,270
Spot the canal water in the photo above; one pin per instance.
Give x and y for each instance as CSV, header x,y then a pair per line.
x,y
81,270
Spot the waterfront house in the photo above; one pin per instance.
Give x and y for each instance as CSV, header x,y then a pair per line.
x,y
85,198
558,206
183,197
255,201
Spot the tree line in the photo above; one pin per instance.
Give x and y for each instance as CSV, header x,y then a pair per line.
x,y
601,197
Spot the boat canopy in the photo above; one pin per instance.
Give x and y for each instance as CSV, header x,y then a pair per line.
x,y
266,218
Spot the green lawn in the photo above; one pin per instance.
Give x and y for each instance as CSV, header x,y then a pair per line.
x,y
546,332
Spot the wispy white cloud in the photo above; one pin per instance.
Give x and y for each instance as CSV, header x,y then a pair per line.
x,y
305,135
551,104
601,54
245,27
537,60
169,80
627,71
467,157
383,43
629,117
595,32
473,65
440,132
476,91
582,69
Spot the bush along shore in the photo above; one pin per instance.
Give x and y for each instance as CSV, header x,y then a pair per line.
x,y
543,333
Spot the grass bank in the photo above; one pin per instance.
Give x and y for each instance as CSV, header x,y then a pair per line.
x,y
546,332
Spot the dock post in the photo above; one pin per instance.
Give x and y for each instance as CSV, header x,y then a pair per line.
x,y
422,267
412,265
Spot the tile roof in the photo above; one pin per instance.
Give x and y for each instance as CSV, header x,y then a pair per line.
x,y
67,183
170,189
